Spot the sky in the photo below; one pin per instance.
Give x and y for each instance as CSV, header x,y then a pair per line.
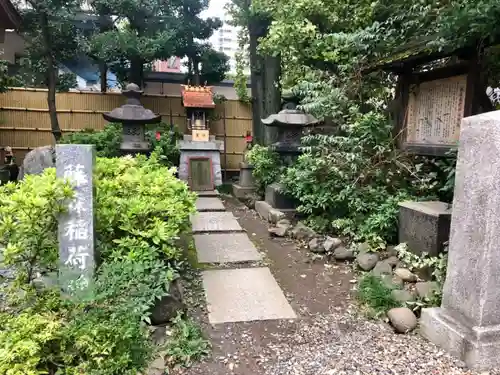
x,y
215,9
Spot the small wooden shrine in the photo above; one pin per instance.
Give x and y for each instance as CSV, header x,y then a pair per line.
x,y
434,91
200,164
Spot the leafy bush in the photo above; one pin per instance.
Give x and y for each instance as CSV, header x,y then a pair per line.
x,y
187,343
375,295
351,182
134,286
267,166
28,223
107,142
141,209
166,146
27,343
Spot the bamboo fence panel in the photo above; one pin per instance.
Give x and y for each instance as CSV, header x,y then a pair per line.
x,y
25,122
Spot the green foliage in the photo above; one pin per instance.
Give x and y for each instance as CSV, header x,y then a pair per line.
x,y
186,344
437,264
267,166
28,223
351,182
166,147
5,79
374,294
107,142
27,341
134,286
241,79
141,209
104,340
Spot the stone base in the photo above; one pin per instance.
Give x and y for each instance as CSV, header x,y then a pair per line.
x,y
273,215
424,226
240,192
478,347
277,199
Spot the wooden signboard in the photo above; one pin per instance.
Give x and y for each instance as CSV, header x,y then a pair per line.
x,y
200,174
434,113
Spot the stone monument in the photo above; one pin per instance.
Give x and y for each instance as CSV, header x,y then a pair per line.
x,y
290,123
468,322
76,227
134,117
200,164
246,184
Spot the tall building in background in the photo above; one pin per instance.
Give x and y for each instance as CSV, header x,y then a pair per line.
x,y
226,38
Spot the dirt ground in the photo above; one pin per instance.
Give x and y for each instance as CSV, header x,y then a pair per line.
x,y
312,288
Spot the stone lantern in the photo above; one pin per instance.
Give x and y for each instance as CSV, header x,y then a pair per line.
x,y
290,123
134,117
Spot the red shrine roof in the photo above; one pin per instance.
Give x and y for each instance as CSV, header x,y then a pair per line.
x,y
197,96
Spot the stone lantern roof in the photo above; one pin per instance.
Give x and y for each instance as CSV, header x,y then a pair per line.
x,y
132,111
290,118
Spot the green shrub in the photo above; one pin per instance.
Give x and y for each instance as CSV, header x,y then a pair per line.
x,y
375,294
186,343
28,223
166,147
142,209
27,343
134,286
351,182
107,142
267,166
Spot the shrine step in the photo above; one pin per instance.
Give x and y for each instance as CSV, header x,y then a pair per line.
x,y
244,295
209,204
207,193
225,248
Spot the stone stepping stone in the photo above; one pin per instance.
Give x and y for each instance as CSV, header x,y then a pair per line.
x,y
215,222
209,204
207,193
225,248
244,295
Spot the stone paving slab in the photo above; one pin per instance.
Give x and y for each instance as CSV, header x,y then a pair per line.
x,y
225,248
209,204
244,295
207,193
215,222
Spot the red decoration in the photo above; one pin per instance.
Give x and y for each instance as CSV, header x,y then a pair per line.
x,y
158,136
249,138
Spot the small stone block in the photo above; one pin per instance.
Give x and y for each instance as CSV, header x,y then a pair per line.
x,y
244,295
209,204
424,226
225,248
215,222
207,193
277,198
241,192
267,212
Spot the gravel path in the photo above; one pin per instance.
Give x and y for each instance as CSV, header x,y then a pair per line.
x,y
330,337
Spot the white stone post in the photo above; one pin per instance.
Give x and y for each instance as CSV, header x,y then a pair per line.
x,y
468,322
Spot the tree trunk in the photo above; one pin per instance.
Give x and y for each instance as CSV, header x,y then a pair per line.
x,y
272,94
265,74
51,78
103,71
136,71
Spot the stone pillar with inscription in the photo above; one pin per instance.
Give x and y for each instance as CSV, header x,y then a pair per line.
x,y
468,322
76,227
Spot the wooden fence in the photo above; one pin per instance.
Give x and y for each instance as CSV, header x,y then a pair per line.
x,y
25,122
